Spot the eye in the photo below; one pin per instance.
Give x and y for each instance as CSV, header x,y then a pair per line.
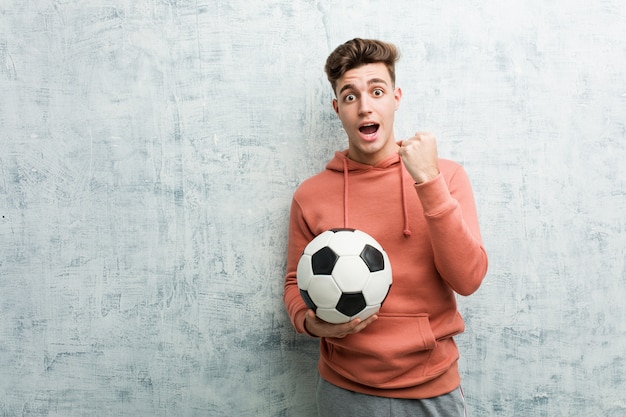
x,y
378,92
349,98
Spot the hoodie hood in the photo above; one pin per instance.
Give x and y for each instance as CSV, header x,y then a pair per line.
x,y
341,163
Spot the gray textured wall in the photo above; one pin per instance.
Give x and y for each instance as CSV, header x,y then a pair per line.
x,y
148,154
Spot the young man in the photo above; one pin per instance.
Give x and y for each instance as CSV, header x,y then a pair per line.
x,y
421,210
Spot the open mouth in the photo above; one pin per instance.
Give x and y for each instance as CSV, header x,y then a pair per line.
x,y
369,129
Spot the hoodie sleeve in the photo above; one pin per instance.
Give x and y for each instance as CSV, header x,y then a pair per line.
x,y
450,212
299,236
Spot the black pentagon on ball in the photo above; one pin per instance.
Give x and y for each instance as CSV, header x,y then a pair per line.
x,y
323,261
351,304
307,300
373,258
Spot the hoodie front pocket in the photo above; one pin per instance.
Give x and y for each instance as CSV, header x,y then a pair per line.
x,y
403,335
393,351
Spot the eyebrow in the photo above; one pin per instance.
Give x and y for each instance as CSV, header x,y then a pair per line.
x,y
369,82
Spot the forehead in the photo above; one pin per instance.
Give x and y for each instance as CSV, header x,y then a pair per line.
x,y
365,75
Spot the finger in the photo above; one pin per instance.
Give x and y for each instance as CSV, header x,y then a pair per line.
x,y
363,324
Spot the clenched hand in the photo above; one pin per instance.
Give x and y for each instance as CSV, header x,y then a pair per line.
x,y
419,154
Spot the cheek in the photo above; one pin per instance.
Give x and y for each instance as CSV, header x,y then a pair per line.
x,y
343,115
389,112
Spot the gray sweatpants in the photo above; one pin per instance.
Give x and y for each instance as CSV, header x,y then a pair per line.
x,y
333,401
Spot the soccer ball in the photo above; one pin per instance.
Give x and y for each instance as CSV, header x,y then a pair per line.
x,y
343,274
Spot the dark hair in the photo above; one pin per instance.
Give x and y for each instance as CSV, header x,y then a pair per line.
x,y
358,52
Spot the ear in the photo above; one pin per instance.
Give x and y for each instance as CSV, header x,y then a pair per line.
x,y
336,106
397,96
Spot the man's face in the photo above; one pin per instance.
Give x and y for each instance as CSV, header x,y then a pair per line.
x,y
366,104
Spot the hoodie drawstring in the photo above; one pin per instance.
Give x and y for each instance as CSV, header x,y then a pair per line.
x,y
345,192
405,210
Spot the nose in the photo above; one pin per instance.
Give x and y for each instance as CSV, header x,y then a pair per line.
x,y
364,105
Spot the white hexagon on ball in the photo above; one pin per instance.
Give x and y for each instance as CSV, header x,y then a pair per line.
x,y
304,272
319,242
376,287
349,272
344,244
324,291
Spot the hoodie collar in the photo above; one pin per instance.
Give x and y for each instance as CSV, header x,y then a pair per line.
x,y
341,163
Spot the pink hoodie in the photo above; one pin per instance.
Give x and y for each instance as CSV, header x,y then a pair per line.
x,y
430,232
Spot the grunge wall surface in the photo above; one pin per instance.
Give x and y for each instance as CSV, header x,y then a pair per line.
x,y
149,150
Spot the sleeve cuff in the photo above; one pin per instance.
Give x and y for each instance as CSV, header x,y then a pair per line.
x,y
435,196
